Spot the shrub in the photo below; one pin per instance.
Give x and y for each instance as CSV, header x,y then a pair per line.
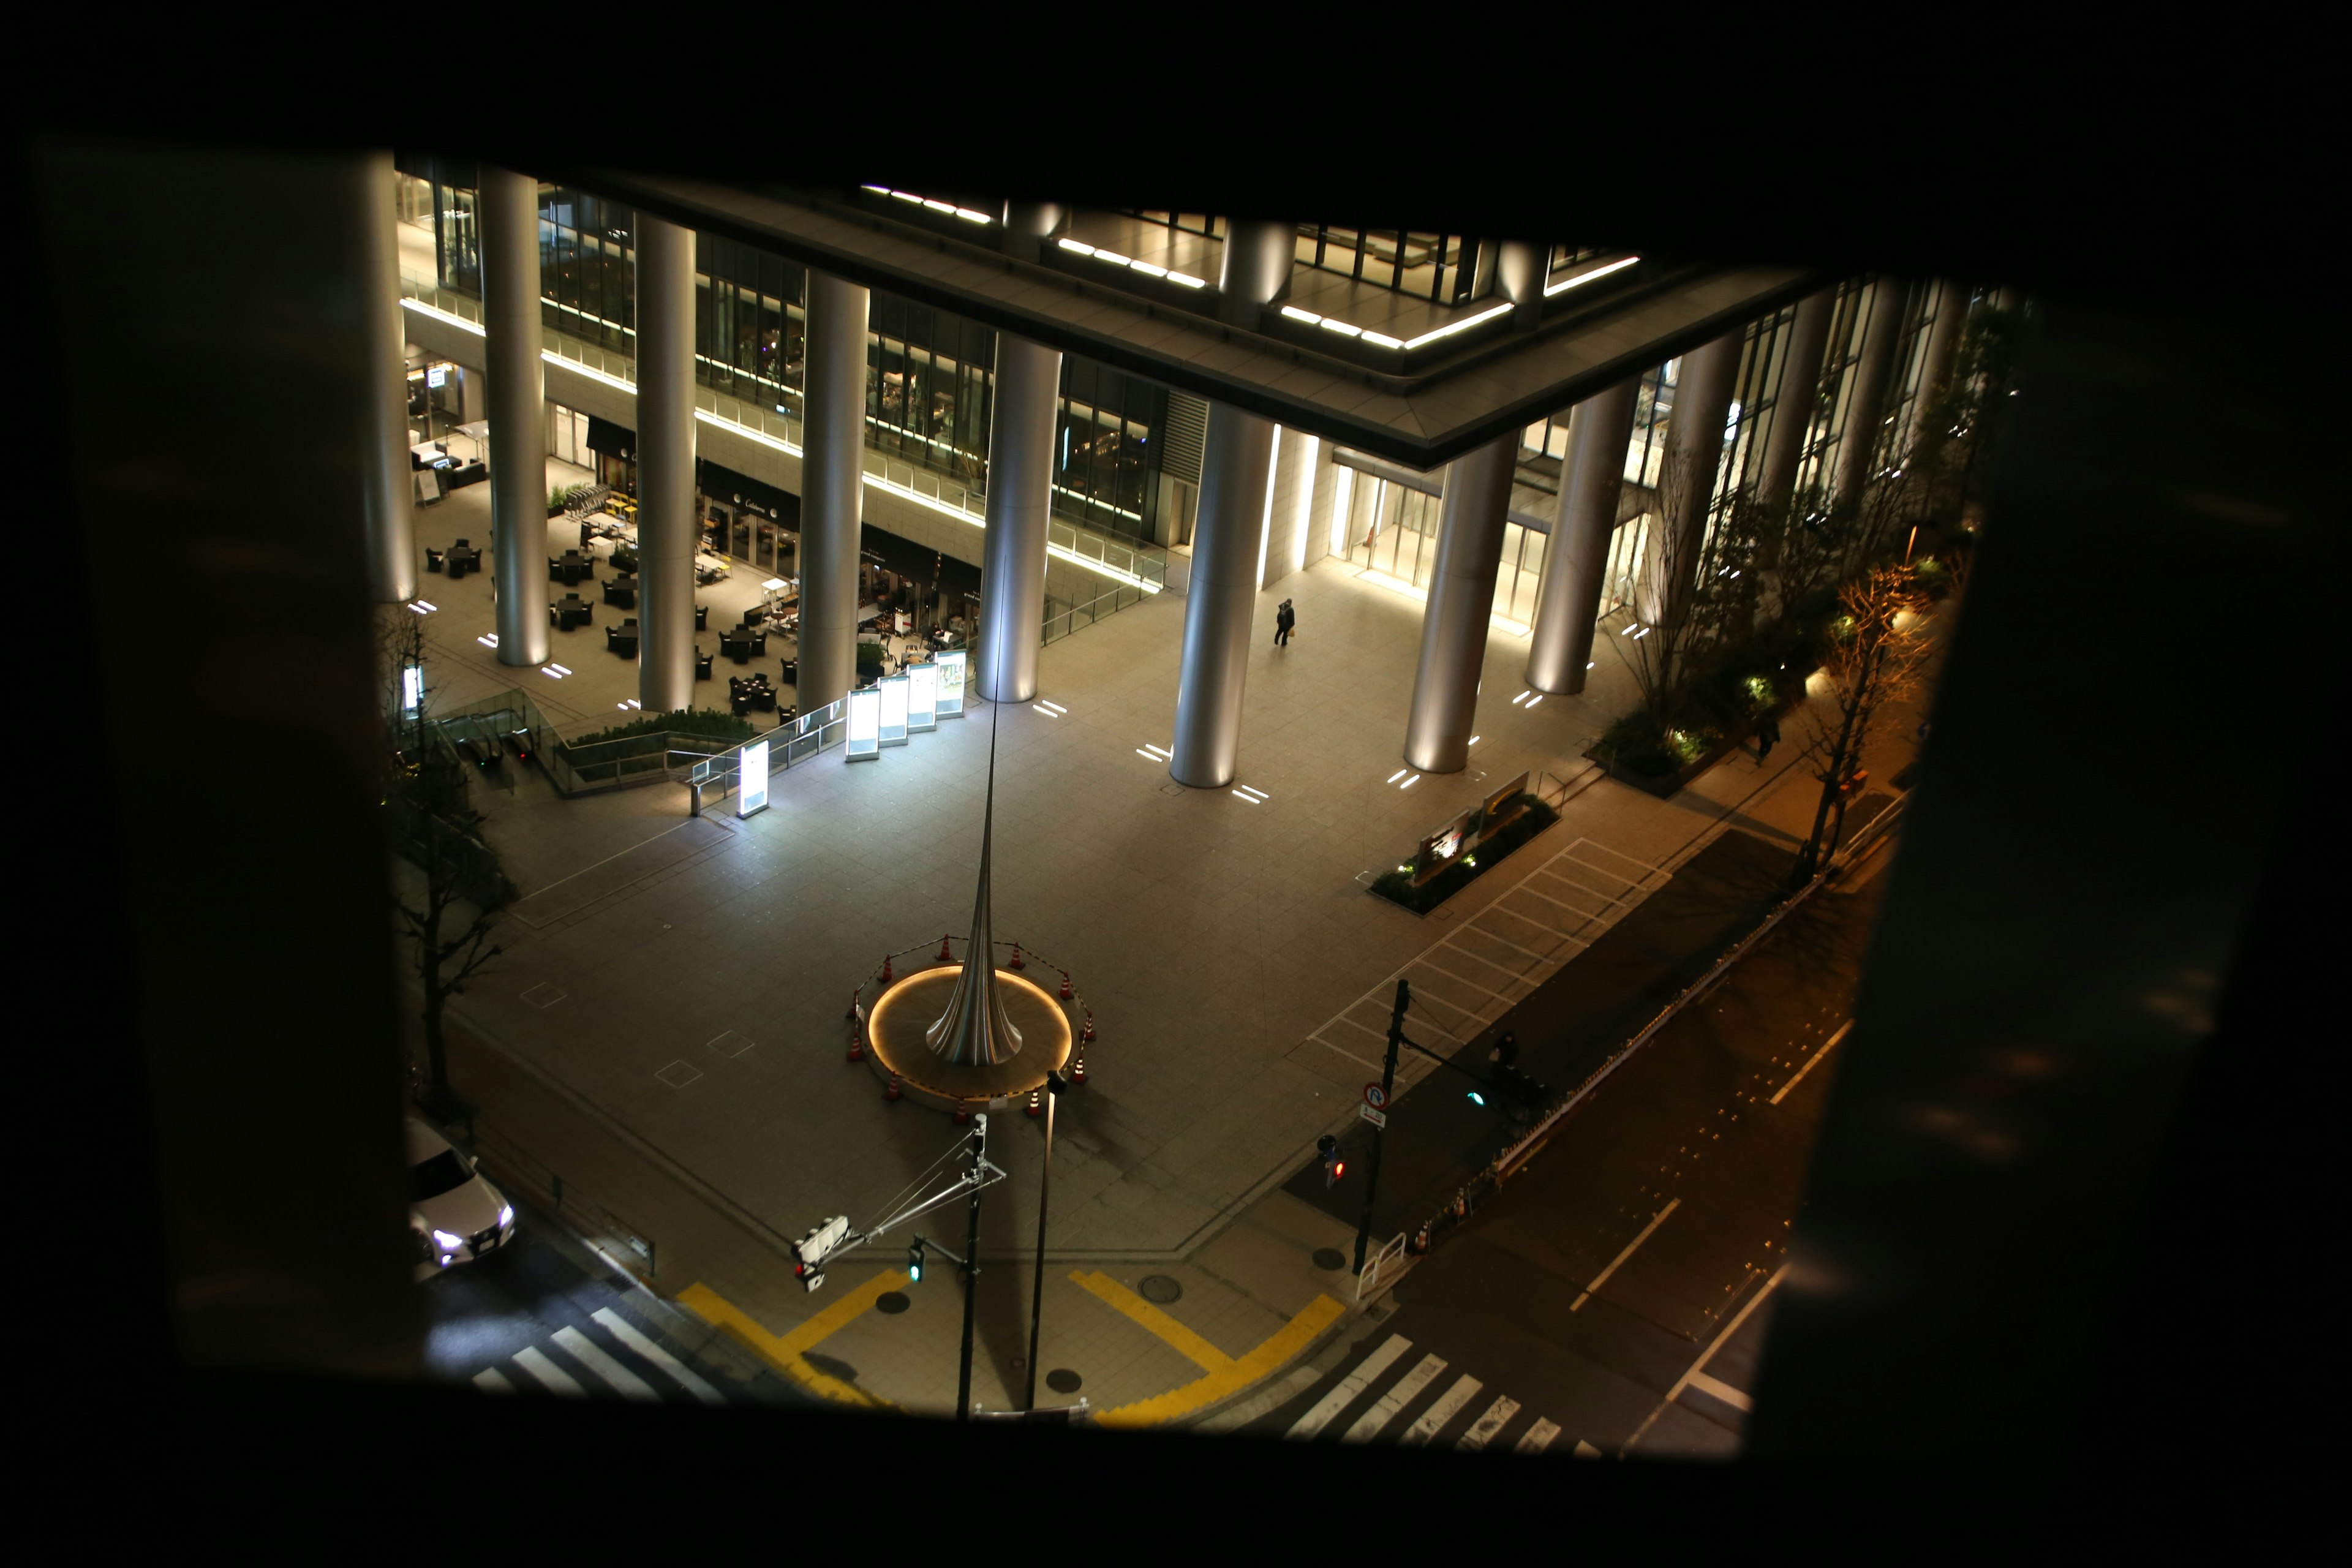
x,y
1397,886
624,558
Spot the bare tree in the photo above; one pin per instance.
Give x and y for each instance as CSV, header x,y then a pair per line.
x,y
1875,655
449,928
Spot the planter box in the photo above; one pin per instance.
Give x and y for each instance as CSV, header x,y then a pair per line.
x,y
1664,787
1520,810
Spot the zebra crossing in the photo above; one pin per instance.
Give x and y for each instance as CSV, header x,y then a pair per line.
x,y
1388,1383
616,1360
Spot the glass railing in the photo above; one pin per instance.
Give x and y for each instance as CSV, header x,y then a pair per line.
x,y
653,757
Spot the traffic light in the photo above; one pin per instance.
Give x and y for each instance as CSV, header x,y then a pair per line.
x,y
1474,1096
1334,1167
810,1251
915,1261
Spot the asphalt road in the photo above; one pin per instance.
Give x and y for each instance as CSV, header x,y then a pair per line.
x,y
1612,1300
548,1316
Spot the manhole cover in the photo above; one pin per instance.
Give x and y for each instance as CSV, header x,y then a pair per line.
x,y
1330,1258
1062,1380
1162,1290
892,1301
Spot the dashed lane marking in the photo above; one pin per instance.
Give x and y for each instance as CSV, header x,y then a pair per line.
x,y
552,1378
1617,1262
588,1353
1391,1404
1350,1387
630,1335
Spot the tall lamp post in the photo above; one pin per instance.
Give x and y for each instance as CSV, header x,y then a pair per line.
x,y
972,1266
1044,1183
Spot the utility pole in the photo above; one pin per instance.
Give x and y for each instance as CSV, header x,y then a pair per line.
x,y
1380,1130
1037,1294
972,1264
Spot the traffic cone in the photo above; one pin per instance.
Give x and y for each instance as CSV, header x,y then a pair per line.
x,y
1016,957
890,1089
858,1040
1460,1204
1087,1035
886,969
1079,1070
1033,1106
853,1002
943,949
1065,985
1420,1241
963,1113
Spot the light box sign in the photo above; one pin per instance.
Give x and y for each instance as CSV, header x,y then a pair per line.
x,y
894,709
865,741
752,795
923,698
951,699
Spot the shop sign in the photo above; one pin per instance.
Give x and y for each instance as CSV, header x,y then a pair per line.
x,y
865,741
923,698
950,698
893,726
752,796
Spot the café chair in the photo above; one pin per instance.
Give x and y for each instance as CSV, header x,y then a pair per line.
x,y
702,618
701,664
432,559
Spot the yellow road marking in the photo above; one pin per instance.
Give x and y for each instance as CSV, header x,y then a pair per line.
x,y
1221,1374
783,1351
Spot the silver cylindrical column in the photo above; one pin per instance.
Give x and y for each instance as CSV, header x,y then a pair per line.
x,y
518,411
1253,268
1857,450
387,504
1021,409
1792,403
1687,489
666,521
1236,468
1943,344
1519,268
1029,227
1568,600
1461,602
833,488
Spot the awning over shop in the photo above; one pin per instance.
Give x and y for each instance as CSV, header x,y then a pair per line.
x,y
612,440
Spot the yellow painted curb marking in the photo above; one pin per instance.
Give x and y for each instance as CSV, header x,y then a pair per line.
x,y
1222,1375
783,1351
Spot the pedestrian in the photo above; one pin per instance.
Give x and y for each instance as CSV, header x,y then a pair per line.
x,y
1507,1050
1285,618
1768,734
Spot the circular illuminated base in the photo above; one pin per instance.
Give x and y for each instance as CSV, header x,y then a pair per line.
x,y
895,1043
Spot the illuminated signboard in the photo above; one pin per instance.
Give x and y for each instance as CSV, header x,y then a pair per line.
x,y
752,795
436,376
923,696
951,667
894,709
864,725
412,688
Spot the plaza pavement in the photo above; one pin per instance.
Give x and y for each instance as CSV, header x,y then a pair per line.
x,y
668,1034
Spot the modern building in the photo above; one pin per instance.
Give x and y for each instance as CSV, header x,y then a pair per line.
x,y
1073,409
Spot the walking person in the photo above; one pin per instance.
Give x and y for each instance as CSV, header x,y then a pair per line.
x,y
1285,618
1767,734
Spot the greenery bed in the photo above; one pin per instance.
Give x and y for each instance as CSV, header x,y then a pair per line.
x,y
1397,887
649,736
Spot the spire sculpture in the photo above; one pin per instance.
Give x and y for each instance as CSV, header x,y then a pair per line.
x,y
974,1031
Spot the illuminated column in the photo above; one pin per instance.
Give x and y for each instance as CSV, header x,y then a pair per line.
x,y
1865,415
1694,452
387,501
1568,601
518,411
832,488
1029,227
1461,602
1792,403
667,523
1519,268
1253,267
1943,344
1237,460
1022,409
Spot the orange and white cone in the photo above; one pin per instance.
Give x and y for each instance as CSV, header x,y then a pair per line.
x,y
1079,1070
1034,1106
886,969
890,1090
963,1113
857,1039
1017,963
1065,985
943,949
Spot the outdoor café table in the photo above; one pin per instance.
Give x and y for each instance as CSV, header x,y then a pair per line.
x,y
622,591
735,646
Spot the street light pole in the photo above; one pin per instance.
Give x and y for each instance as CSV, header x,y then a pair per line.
x,y
972,1264
1037,1293
1380,1130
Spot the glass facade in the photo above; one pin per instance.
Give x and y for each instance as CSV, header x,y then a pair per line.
x,y
588,283
928,398
748,325
1439,267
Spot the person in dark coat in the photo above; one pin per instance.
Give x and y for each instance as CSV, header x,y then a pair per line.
x,y
1284,620
1767,734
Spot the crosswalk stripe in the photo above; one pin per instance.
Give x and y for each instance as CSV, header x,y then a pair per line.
x,y
628,1334
1539,1437
1449,1404
1498,1415
1585,1450
1349,1387
1391,1403
490,1380
552,1377
592,1355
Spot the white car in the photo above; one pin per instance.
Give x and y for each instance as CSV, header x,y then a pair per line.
x,y
455,1213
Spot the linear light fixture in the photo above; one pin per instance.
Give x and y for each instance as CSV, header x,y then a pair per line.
x,y
1142,752
1410,782
1041,708
1057,708
1578,279
1161,752
964,213
1474,740
1247,797
1079,247
1396,775
1250,792
489,639
1522,697
1464,325
1533,700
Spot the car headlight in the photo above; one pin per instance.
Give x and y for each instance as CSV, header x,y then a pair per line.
x,y
448,1243
506,1216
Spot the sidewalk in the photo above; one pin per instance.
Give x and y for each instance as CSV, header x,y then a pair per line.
x,y
1227,950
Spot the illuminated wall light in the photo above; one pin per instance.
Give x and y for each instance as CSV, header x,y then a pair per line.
x,y
1581,278
1073,245
1342,327
1383,340
1342,493
1187,279
1296,314
905,198
1162,753
1464,325
1113,255
939,206
487,641
1306,502
877,190
1266,523
1146,266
